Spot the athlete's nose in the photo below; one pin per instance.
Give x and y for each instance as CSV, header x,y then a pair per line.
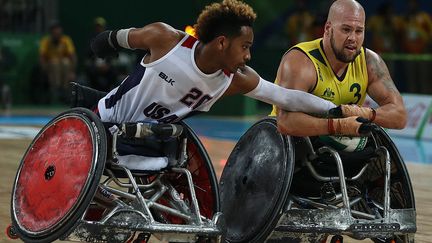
x,y
351,36
247,57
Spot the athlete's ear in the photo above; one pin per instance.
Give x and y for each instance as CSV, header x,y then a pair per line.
x,y
327,28
221,42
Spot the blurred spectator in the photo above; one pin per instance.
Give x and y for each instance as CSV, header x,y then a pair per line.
x,y
7,61
417,30
384,29
318,25
20,15
100,73
299,25
320,18
417,35
58,61
6,97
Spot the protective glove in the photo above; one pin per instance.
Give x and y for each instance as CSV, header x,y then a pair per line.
x,y
353,110
105,44
350,126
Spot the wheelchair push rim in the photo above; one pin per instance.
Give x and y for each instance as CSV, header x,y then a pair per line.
x,y
54,184
203,174
255,182
203,177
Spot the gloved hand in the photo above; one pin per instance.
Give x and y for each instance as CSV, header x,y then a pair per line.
x,y
350,126
353,110
105,44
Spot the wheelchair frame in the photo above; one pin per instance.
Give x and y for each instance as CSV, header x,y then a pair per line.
x,y
301,218
337,220
139,204
168,203
144,198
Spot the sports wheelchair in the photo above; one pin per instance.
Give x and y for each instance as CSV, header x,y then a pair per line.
x,y
277,188
74,183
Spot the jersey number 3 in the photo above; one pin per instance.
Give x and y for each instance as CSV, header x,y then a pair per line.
x,y
357,94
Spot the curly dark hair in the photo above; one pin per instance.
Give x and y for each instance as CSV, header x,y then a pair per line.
x,y
224,18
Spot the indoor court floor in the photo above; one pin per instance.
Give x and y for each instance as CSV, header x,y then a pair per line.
x,y
15,140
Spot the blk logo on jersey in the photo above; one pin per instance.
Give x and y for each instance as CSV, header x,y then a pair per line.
x,y
166,78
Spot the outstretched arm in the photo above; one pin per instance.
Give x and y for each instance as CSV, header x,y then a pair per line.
x,y
157,38
248,82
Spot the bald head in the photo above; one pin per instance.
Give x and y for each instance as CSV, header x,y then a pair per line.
x,y
345,8
344,30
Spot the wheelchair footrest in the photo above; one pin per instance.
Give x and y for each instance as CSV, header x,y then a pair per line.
x,y
337,221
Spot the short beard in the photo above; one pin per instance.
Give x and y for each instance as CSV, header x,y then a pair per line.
x,y
339,53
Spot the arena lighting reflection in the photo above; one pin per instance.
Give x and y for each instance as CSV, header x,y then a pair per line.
x,y
412,150
190,30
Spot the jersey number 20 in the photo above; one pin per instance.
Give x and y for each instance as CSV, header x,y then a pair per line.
x,y
195,98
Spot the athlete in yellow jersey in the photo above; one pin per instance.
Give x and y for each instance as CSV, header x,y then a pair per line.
x,y
350,88
337,68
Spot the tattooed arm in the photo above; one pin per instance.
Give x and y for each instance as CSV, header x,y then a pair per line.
x,y
381,88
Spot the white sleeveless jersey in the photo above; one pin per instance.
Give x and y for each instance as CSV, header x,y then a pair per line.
x,y
165,90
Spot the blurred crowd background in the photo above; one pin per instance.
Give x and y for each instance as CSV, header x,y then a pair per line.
x,y
45,44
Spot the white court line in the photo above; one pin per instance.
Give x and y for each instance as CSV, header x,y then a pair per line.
x,y
18,132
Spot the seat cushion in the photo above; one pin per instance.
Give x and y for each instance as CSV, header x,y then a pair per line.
x,y
142,163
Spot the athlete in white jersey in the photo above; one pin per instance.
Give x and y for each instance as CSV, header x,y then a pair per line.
x,y
171,87
180,74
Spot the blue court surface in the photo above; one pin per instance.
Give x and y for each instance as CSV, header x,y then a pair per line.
x,y
412,150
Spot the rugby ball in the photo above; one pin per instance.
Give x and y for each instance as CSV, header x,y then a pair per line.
x,y
343,143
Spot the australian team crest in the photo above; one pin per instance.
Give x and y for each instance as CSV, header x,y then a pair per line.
x,y
328,94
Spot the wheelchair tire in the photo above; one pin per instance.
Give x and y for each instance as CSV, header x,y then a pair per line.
x,y
58,176
401,191
255,182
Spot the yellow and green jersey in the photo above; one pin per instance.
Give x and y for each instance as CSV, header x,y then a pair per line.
x,y
350,88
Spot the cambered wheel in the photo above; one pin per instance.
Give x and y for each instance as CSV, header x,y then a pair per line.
x,y
255,182
58,176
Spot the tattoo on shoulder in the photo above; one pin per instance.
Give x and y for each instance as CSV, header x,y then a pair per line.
x,y
378,70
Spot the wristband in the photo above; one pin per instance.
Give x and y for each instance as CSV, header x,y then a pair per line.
x,y
373,114
112,40
330,126
122,37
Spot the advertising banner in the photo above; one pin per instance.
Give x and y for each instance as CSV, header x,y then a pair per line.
x,y
418,107
427,129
